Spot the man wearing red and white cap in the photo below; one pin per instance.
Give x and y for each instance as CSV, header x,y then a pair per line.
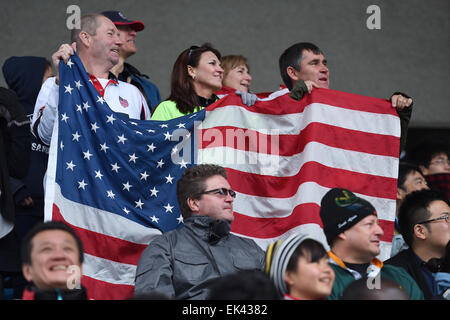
x,y
97,43
124,71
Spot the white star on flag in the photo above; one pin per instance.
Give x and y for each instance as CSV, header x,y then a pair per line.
x,y
68,89
168,208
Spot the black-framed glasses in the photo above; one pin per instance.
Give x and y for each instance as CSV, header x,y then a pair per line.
x,y
443,217
221,191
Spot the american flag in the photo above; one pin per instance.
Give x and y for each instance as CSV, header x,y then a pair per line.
x,y
281,156
113,179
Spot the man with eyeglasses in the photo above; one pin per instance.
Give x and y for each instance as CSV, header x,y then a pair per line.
x,y
410,179
182,263
424,223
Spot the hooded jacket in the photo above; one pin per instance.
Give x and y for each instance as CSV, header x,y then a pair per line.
x,y
181,263
24,76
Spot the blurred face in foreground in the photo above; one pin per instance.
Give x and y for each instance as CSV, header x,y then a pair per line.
x,y
52,253
310,280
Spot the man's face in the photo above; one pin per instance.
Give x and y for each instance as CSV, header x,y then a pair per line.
x,y
214,204
313,67
364,239
438,164
52,253
439,230
106,43
127,36
414,182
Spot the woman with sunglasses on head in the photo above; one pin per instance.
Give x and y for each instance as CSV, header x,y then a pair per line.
x,y
196,75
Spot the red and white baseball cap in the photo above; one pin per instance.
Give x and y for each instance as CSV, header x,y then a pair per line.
x,y
119,19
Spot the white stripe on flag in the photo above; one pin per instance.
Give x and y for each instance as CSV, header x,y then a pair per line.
x,y
239,117
308,192
108,271
281,166
103,222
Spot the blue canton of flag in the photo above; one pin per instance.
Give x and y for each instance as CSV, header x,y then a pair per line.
x,y
123,166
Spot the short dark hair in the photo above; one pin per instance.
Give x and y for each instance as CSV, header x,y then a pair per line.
x,y
404,170
181,84
310,249
424,152
414,209
292,57
88,23
192,182
44,226
243,285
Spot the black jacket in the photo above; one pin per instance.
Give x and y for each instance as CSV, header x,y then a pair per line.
x,y
408,261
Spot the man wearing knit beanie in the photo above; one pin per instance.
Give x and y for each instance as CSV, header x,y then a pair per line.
x,y
351,227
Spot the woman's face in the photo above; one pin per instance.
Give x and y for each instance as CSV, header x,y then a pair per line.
x,y
311,280
207,76
238,78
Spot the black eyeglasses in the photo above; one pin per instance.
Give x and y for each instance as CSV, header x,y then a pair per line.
x,y
221,191
444,217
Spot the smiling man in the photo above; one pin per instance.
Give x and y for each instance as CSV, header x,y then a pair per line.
x,y
303,66
98,44
182,263
128,30
52,257
352,230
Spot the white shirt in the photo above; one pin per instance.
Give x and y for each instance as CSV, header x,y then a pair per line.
x,y
120,96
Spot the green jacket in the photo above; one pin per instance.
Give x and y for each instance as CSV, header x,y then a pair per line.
x,y
167,110
396,274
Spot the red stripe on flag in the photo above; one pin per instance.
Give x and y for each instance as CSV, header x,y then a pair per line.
x,y
286,105
103,246
274,227
285,187
288,145
100,290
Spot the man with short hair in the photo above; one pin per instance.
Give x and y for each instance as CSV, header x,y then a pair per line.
x,y
124,71
351,227
303,66
410,179
98,44
424,223
433,158
182,263
52,257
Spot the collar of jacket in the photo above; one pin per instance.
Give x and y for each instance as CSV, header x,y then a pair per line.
x,y
33,293
208,228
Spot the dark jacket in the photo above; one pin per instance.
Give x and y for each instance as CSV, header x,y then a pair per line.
x,y
408,261
33,293
181,263
14,158
24,76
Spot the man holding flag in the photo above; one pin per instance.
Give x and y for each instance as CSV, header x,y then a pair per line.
x,y
97,43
